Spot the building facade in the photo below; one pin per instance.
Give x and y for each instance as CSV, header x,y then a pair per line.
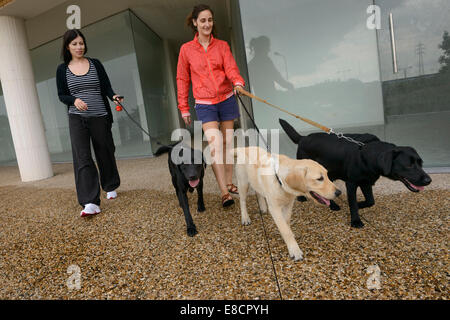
x,y
355,66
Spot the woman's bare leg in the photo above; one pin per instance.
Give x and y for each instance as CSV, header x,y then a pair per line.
x,y
226,128
213,134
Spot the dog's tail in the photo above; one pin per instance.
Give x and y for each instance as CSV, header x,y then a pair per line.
x,y
164,149
290,131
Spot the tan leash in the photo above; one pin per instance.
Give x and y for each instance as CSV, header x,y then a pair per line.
x,y
313,123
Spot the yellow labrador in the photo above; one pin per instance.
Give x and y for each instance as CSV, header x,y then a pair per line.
x,y
257,168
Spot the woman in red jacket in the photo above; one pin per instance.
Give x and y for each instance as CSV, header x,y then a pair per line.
x,y
207,62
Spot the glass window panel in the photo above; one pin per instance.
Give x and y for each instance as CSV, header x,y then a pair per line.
x,y
155,107
416,98
111,41
8,154
315,58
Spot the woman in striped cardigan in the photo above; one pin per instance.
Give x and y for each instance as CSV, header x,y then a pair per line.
x,y
84,86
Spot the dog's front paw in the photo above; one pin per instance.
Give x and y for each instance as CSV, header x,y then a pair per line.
x,y
191,231
201,208
334,206
246,221
296,254
357,224
302,198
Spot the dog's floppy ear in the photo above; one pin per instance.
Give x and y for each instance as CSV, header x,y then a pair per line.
x,y
296,179
384,161
305,171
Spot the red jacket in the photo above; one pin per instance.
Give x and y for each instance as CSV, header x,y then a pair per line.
x,y
213,73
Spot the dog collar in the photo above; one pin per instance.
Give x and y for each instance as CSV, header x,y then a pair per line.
x,y
276,166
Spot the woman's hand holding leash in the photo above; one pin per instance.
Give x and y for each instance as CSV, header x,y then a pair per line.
x,y
187,120
118,99
237,90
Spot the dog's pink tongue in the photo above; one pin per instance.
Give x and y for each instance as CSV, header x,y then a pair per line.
x,y
194,183
327,202
420,188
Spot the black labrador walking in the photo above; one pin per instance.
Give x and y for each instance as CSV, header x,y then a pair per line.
x,y
187,168
360,166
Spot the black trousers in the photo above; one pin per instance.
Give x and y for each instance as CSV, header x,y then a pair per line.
x,y
83,130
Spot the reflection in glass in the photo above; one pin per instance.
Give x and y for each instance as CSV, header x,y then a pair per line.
x,y
317,59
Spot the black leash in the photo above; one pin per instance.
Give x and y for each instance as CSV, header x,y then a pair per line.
x,y
257,129
260,213
135,122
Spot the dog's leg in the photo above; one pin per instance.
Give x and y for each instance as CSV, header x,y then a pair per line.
x,y
243,189
184,203
334,206
353,204
286,232
242,181
262,202
200,201
368,195
287,212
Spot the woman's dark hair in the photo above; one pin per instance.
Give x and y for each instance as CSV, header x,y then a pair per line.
x,y
194,16
67,39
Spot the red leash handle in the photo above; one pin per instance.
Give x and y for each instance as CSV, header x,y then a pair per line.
x,y
119,106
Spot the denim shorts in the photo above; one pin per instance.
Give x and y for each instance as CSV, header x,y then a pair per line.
x,y
223,111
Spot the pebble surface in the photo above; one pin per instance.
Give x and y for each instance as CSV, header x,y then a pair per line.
x,y
137,247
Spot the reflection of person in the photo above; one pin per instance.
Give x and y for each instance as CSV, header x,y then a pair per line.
x,y
83,86
263,70
209,64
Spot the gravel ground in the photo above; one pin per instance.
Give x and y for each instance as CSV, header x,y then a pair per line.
x,y
137,248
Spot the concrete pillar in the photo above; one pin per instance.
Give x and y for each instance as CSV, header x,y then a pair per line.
x,y
22,102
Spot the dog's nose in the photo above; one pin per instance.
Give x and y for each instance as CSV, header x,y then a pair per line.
x,y
338,192
426,180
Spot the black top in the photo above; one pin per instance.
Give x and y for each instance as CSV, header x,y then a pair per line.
x,y
105,86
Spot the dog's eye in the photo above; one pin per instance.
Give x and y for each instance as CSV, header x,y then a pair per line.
x,y
320,179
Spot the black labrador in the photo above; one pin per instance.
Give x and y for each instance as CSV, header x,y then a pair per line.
x,y
360,166
187,168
